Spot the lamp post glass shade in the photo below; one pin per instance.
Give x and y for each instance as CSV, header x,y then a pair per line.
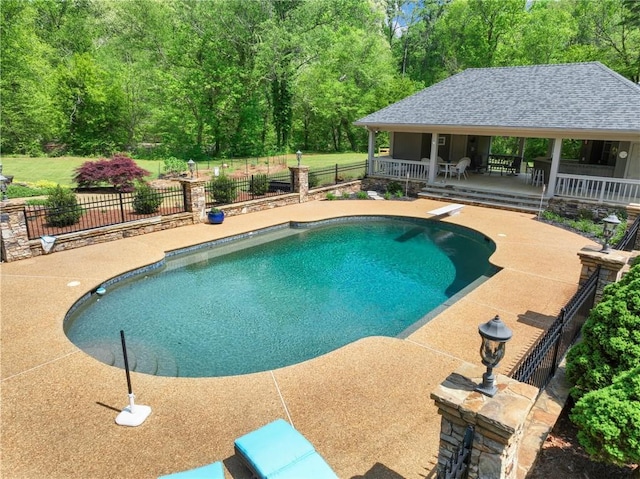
x,y
192,166
298,156
611,222
494,336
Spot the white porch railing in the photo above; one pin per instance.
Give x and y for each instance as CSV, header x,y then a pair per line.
x,y
400,169
597,188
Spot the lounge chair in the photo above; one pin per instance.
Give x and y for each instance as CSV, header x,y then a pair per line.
x,y
278,451
210,471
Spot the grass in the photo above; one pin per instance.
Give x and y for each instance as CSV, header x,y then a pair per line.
x,y
60,170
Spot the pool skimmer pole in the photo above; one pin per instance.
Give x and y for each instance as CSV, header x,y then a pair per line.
x,y
132,415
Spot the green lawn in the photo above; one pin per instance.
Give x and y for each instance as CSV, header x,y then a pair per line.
x,y
60,170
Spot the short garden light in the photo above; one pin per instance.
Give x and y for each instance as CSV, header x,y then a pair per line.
x,y
494,335
3,184
192,167
298,156
611,222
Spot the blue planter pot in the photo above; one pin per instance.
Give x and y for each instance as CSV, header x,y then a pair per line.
x,y
215,218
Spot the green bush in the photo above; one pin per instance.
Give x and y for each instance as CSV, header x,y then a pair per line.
x,y
609,420
393,187
610,337
314,180
259,185
331,196
223,190
362,195
146,200
174,166
61,207
21,191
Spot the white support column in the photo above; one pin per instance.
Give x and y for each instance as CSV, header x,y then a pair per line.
x,y
433,159
372,148
555,164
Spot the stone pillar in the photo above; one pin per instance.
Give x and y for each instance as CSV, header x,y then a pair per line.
x,y
13,225
612,266
300,176
498,421
633,211
195,200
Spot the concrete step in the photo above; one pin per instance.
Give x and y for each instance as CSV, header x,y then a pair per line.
x,y
495,199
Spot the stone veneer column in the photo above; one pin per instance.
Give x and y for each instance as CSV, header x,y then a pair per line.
x,y
13,225
195,198
633,211
612,266
300,181
498,421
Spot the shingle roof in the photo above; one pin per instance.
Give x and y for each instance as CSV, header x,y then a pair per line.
x,y
576,96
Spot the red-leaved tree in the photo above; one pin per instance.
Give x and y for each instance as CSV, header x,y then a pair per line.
x,y
120,171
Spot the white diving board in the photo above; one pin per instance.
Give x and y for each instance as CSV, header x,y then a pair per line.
x,y
452,209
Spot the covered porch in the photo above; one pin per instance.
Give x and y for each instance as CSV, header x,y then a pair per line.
x,y
576,186
571,128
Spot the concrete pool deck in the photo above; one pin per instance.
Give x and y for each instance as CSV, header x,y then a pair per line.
x,y
365,407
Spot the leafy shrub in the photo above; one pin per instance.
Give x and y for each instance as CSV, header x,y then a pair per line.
x,y
223,190
146,200
362,195
610,337
331,196
259,184
314,179
174,166
22,191
609,420
399,194
62,207
393,187
120,171
387,195
345,195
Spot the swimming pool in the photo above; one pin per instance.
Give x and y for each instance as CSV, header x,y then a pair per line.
x,y
275,298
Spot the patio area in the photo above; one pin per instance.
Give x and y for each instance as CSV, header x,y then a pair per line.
x,y
365,407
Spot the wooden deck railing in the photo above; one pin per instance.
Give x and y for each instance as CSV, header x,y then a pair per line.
x,y
596,188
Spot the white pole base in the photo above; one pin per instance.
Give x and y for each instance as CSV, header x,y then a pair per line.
x,y
133,418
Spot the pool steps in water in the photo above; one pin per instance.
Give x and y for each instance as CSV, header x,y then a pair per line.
x,y
141,358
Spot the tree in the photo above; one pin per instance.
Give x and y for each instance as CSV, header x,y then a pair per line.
x,y
25,89
610,338
609,420
120,171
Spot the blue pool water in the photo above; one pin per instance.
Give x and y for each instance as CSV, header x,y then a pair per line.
x,y
263,303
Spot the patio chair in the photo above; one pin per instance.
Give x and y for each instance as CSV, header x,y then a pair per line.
x,y
460,168
210,471
278,451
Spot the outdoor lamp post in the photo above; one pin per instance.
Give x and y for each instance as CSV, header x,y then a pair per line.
x,y
494,335
192,167
3,185
610,224
298,156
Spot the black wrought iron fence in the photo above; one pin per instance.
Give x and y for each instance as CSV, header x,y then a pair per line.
x,y
337,174
95,211
539,366
627,242
457,467
226,190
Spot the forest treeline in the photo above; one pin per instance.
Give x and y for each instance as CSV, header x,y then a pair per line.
x,y
202,78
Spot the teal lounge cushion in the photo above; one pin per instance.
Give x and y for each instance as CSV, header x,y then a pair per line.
x,y
210,471
272,447
312,465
